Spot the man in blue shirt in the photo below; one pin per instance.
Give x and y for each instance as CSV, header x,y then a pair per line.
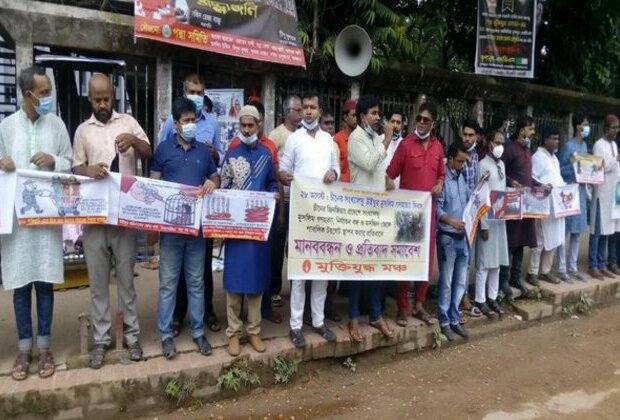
x,y
185,161
452,245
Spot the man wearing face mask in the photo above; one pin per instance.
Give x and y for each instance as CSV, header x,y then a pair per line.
x,y
395,117
469,136
184,161
342,137
207,128
491,243
521,233
575,225
309,152
250,167
418,162
103,142
367,152
33,138
549,231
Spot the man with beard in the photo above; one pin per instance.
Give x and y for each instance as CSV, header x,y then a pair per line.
x,y
109,142
395,117
342,137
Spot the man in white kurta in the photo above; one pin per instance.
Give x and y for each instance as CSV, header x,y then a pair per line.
x,y
601,222
549,231
32,138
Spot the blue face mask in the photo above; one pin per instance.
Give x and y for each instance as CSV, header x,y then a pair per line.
x,y
45,105
198,102
188,131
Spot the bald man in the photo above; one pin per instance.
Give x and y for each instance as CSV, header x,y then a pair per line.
x,y
109,142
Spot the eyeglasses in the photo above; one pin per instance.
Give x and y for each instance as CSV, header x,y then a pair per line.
x,y
423,119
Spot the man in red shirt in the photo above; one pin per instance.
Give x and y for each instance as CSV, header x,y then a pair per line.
x,y
419,163
342,138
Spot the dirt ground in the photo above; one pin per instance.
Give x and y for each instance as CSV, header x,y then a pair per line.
x,y
568,369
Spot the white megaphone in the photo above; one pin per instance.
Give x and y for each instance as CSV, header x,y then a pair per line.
x,y
353,50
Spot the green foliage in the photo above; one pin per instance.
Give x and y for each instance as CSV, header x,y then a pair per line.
x,y
284,369
438,338
536,294
238,376
583,306
350,364
180,390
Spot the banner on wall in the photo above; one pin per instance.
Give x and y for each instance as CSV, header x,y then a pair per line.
x,y
259,30
226,106
348,232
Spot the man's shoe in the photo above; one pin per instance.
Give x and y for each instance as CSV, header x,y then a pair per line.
x,y
615,269
203,345
577,275
298,339
494,305
532,279
213,323
605,272
447,331
526,293
96,356
565,278
274,317
460,330
549,278
234,348
168,349
256,342
326,333
485,310
332,315
135,351
594,272
276,301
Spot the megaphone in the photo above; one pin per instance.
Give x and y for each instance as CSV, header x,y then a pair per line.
x,y
353,50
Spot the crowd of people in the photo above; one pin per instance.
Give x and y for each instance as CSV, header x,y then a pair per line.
x,y
371,148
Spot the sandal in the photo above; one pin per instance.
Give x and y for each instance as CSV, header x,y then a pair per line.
x,y
401,319
354,331
46,365
383,326
424,316
22,365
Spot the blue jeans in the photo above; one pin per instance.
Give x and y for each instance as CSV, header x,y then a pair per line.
x,y
374,291
453,257
22,304
181,253
597,244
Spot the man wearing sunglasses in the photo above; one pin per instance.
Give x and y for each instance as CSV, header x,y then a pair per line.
x,y
418,162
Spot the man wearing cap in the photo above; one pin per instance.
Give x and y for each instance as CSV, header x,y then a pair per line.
x,y
342,137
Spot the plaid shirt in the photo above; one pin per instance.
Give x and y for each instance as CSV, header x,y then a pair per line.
x,y
471,171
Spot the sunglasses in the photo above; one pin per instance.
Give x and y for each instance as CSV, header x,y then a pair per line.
x,y
423,119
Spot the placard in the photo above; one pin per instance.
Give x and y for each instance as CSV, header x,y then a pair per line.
x,y
477,206
506,205
589,169
536,203
565,201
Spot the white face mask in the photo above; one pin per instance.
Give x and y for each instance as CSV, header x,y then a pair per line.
x,y
498,151
585,131
309,126
422,136
248,140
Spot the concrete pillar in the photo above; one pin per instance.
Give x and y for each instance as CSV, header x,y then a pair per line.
x,y
477,112
163,93
268,95
24,54
355,90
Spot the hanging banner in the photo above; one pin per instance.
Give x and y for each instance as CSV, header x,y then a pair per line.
x,y
226,106
506,38
477,206
506,205
536,203
348,232
589,169
149,204
565,201
7,200
238,214
47,198
258,30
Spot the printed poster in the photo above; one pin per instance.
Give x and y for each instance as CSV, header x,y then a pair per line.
x,y
149,204
238,214
506,38
342,231
46,198
226,106
477,206
258,30
536,203
7,203
589,169
506,205
565,201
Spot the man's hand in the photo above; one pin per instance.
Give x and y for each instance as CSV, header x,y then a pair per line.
x,y
43,160
547,188
388,130
484,234
285,178
457,224
98,171
573,158
515,184
330,176
390,185
437,189
208,187
214,155
7,164
125,141
485,176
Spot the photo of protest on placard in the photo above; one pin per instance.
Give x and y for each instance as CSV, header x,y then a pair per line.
x,y
506,205
536,203
477,206
589,169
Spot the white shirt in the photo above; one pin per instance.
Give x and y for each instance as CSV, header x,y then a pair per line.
x,y
309,156
546,170
366,157
390,154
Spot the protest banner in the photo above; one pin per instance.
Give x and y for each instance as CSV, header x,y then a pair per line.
x,y
565,200
477,206
47,198
7,201
348,232
506,205
259,30
506,38
589,169
238,214
149,204
226,106
536,203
